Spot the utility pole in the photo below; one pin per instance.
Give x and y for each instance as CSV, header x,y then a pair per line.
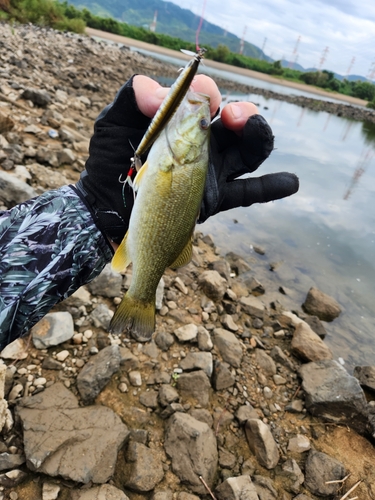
x,y
295,53
242,42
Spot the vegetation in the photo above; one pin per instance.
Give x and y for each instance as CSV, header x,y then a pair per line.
x,y
64,16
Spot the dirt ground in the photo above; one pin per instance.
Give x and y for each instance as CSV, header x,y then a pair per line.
x,y
225,67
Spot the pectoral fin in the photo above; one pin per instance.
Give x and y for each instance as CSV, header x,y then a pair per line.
x,y
121,259
138,178
185,256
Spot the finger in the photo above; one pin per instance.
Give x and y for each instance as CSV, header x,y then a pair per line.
x,y
269,187
149,94
235,115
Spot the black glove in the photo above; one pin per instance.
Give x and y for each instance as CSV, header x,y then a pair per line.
x,y
232,156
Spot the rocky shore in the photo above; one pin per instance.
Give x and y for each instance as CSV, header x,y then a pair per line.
x,y
235,398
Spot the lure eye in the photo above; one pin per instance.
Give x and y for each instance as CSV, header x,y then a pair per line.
x,y
204,124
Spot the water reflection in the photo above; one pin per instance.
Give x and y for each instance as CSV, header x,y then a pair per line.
x,y
324,235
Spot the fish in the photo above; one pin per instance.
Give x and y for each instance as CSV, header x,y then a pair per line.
x,y
169,105
169,190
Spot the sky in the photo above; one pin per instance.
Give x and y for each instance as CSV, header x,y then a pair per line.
x,y
345,27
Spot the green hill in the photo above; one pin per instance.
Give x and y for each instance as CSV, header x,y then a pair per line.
x,y
171,20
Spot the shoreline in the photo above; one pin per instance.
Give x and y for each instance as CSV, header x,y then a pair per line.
x,y
226,67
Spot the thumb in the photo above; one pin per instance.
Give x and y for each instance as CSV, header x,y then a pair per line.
x,y
269,187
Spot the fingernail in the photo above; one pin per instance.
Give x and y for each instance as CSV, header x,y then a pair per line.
x,y
236,111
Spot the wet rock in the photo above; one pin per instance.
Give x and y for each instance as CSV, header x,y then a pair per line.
x,y
143,469
316,325
228,346
222,376
54,329
57,433
213,285
262,443
198,361
237,488
107,284
97,372
333,394
222,267
14,191
237,263
319,304
365,376
191,445
195,386
103,492
308,346
320,469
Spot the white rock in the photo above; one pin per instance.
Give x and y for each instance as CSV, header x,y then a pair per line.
x,y
62,355
15,350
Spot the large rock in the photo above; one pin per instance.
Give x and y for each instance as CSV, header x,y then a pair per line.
x,y
13,190
54,329
322,473
97,372
366,376
308,346
143,470
317,303
262,443
62,439
229,346
334,395
192,447
198,361
194,386
213,285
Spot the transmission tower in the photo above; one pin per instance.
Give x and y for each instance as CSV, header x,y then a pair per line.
x,y
350,66
153,24
242,42
371,74
323,58
294,57
264,44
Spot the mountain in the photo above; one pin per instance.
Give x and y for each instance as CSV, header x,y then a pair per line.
x,y
171,20
351,78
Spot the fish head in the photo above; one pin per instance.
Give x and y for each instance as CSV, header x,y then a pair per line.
x,y
188,131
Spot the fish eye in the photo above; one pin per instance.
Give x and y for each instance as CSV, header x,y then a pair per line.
x,y
204,124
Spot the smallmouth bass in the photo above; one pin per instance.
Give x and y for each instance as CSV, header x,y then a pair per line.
x,y
169,189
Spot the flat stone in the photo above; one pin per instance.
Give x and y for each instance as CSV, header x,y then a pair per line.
x,y
320,470
204,339
192,447
228,346
149,399
198,361
237,488
213,285
253,306
143,469
58,433
265,362
194,386
245,412
103,492
54,329
187,333
222,376
299,444
97,372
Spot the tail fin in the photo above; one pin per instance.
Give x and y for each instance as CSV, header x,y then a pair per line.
x,y
136,317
